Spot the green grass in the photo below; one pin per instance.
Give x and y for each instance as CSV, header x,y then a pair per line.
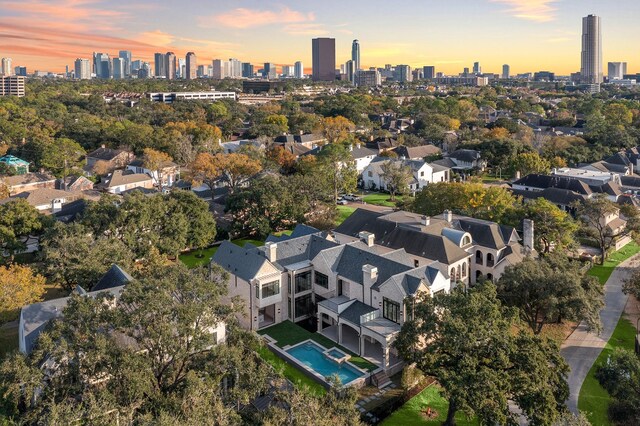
x,y
343,213
291,372
411,412
379,199
603,272
199,258
287,333
593,399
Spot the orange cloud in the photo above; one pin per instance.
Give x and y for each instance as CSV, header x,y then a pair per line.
x,y
531,10
247,18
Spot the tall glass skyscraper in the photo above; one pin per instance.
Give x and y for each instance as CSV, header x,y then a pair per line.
x,y
125,55
323,57
355,55
591,59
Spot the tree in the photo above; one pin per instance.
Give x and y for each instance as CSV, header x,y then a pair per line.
x,y
471,349
397,177
19,286
530,162
620,376
335,407
550,290
280,156
150,358
336,129
338,169
155,161
19,220
471,199
593,212
554,228
62,156
234,169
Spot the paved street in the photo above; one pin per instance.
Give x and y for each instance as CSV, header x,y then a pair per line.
x,y
582,348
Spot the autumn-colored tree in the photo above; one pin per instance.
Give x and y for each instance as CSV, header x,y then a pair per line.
x,y
280,156
336,129
234,169
155,160
498,133
530,162
19,286
101,168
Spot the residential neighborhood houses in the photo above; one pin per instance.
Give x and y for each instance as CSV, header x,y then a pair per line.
x,y
328,255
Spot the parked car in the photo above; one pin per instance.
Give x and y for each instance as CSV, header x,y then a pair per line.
x,y
351,197
343,202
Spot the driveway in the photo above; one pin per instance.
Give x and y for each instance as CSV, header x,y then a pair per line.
x,y
581,349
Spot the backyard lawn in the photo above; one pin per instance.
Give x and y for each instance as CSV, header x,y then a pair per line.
x,y
593,399
411,412
603,272
291,372
199,258
287,333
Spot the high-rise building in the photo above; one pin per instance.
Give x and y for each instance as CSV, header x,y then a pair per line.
x,y
403,74
591,59
477,69
12,85
160,65
616,70
201,71
247,70
125,55
118,68
429,72
82,69
191,66
269,71
171,65
298,71
102,65
219,69
350,71
287,71
368,78
182,65
323,59
505,71
235,68
6,67
136,65
355,55
22,71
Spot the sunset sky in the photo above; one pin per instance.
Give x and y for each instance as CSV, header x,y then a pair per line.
x,y
530,35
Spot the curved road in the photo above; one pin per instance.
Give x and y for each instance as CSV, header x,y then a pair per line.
x,y
581,349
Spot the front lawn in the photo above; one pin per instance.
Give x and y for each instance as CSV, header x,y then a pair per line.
x,y
603,272
199,258
288,333
411,412
593,399
381,199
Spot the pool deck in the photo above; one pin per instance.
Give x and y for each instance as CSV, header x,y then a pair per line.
x,y
372,351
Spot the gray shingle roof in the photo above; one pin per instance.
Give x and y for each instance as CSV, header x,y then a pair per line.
x,y
355,311
114,277
238,261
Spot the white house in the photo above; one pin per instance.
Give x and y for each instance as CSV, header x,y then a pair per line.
x,y
423,173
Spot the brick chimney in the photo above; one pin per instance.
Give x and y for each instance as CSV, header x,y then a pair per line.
x,y
425,220
367,237
369,278
448,216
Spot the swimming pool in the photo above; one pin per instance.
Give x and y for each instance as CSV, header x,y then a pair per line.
x,y
312,355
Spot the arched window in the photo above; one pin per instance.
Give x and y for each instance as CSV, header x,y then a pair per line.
x,y
464,269
453,274
459,274
466,240
490,259
478,276
479,257
490,277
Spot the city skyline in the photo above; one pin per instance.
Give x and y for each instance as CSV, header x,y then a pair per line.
x,y
530,35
